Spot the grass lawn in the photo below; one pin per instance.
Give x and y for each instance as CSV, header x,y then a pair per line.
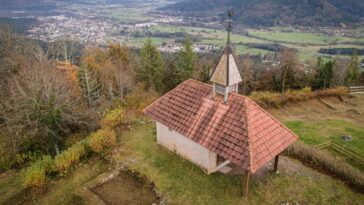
x,y
324,130
184,183
61,191
10,185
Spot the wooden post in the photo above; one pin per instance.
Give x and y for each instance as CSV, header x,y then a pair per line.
x,y
276,163
246,178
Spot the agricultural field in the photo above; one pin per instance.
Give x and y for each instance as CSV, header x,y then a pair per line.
x,y
307,43
127,14
302,38
293,37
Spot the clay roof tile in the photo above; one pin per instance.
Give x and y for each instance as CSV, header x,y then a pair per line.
x,y
240,131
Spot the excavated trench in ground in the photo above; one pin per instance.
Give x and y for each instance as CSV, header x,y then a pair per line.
x,y
127,188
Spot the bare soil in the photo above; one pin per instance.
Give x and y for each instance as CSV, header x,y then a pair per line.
x,y
126,189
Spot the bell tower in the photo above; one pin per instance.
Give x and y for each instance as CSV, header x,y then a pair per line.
x,y
226,77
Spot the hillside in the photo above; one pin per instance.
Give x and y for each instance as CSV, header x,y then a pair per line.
x,y
51,4
25,4
279,12
181,182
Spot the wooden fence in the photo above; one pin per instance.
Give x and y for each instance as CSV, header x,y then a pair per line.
x,y
356,89
342,149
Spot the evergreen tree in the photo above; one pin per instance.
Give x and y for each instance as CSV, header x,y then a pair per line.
x,y
325,73
151,70
89,85
185,64
352,72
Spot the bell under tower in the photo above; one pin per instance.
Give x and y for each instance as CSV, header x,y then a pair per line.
x,y
226,76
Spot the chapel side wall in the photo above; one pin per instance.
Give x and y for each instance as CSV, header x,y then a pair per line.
x,y
185,147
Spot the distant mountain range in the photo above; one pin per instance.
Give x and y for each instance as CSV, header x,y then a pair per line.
x,y
276,12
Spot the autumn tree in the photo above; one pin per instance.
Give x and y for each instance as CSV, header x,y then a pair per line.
x,y
151,69
120,57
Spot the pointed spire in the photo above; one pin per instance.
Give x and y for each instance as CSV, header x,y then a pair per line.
x,y
226,76
229,28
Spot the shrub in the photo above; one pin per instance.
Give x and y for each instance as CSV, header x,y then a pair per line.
x,y
10,160
327,163
269,99
102,140
338,91
139,98
35,176
69,158
114,118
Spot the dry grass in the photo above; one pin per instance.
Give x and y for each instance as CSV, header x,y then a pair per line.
x,y
329,164
270,99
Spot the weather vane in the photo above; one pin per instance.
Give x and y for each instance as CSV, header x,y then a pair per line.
x,y
230,13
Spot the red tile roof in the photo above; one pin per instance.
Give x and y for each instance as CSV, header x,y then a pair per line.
x,y
240,131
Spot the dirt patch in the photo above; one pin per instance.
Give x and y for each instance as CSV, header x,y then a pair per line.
x,y
286,165
127,188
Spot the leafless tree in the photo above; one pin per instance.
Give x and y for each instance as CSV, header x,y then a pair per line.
x,y
288,63
43,103
340,69
247,74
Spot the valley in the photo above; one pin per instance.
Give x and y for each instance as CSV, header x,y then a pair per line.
x,y
131,23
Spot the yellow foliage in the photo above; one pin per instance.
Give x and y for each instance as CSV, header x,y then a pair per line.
x,y
69,158
102,140
269,99
35,176
139,98
338,91
114,118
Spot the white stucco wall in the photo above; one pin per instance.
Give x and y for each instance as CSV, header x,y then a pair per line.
x,y
185,147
